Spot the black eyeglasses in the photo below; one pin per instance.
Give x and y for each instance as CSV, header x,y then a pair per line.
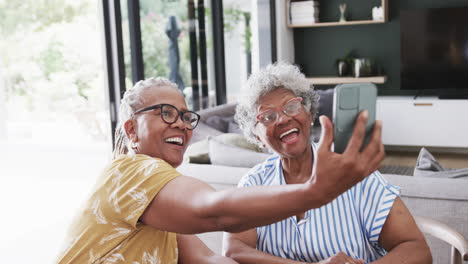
x,y
170,113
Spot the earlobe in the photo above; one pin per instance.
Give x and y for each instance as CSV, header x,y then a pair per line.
x,y
261,142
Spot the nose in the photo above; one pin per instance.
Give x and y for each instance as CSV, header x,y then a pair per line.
x,y
282,118
179,123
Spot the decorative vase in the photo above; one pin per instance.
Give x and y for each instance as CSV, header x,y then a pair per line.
x,y
343,68
342,8
362,67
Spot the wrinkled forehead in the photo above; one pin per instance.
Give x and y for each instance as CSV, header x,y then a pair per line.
x,y
274,99
163,95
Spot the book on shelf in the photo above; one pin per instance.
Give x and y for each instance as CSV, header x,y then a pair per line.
x,y
304,12
309,20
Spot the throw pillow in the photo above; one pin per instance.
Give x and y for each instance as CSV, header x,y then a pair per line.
x,y
227,155
218,122
233,127
198,152
428,166
237,140
202,131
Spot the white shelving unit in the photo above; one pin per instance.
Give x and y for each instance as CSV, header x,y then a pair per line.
x,y
384,5
339,80
427,122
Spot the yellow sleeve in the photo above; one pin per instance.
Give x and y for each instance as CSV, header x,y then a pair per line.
x,y
132,184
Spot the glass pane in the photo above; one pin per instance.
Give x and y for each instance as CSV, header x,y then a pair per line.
x,y
237,45
169,47
54,121
154,22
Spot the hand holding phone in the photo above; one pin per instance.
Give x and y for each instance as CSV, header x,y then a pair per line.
x,y
348,101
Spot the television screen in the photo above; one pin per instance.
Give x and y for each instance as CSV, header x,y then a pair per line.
x,y
434,49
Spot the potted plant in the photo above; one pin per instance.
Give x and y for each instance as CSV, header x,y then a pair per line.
x,y
344,64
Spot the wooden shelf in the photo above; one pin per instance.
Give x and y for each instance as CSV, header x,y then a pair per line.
x,y
384,5
339,80
334,24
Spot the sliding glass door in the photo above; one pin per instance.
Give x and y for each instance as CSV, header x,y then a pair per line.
x,y
208,47
174,41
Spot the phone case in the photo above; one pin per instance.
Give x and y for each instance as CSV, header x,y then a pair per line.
x,y
348,101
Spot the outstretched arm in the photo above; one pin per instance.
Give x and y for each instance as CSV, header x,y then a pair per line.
x,y
186,205
402,238
193,250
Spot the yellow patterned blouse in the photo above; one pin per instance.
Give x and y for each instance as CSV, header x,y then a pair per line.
x,y
107,228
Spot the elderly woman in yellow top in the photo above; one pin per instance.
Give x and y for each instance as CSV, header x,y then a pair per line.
x,y
367,223
143,211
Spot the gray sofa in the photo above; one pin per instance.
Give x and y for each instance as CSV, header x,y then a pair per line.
x,y
444,200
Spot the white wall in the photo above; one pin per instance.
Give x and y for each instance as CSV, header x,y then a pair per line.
x,y
261,34
236,72
284,35
234,51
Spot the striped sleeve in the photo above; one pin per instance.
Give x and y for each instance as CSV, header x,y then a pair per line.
x,y
259,175
377,200
252,178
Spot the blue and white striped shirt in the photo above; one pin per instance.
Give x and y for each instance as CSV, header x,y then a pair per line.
x,y
351,223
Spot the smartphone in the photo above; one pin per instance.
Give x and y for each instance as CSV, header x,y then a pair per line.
x,y
348,101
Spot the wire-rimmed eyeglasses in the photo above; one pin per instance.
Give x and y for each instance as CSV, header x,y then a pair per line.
x,y
291,108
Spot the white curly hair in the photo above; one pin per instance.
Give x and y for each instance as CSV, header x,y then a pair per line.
x,y
133,100
259,84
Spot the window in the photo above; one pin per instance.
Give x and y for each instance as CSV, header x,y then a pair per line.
x,y
54,121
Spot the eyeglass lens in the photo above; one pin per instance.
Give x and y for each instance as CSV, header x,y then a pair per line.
x,y
170,114
290,109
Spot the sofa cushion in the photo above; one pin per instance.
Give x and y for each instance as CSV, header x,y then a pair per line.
x,y
233,127
202,131
430,188
428,166
224,110
235,156
226,177
237,140
199,152
218,122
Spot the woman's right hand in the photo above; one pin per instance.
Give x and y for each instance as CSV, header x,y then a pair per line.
x,y
335,173
341,258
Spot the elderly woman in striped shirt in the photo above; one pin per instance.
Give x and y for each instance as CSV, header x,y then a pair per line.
x,y
369,223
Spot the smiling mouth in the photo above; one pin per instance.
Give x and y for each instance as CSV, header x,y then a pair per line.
x,y
175,141
292,130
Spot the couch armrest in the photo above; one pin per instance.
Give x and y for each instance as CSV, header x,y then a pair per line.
x,y
430,188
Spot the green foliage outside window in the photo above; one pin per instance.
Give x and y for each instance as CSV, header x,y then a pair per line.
x,y
51,62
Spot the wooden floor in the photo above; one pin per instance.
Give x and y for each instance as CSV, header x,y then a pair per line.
x,y
447,160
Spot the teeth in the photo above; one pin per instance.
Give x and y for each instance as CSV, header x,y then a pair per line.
x,y
288,132
177,140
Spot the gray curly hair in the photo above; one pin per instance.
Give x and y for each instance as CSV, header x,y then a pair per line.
x,y
133,100
259,84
